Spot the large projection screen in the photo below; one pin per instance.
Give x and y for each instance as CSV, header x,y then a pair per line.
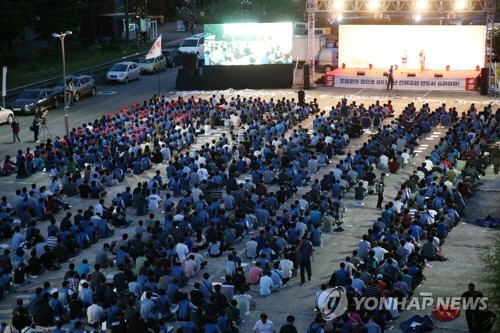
x,y
460,47
248,43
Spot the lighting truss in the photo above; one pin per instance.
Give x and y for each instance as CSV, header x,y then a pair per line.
x,y
404,6
440,8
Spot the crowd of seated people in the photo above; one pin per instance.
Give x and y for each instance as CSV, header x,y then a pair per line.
x,y
391,257
204,208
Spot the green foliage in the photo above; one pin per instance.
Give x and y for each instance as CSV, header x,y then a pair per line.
x,y
57,16
494,156
490,256
496,43
9,59
16,14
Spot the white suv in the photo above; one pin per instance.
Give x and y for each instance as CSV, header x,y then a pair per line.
x,y
194,44
124,72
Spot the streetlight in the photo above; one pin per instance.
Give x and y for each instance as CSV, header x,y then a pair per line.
x,y
61,37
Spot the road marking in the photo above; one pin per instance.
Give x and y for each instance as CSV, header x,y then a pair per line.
x,y
430,139
434,136
425,145
106,92
436,132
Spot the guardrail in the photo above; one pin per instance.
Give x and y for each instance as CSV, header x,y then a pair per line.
x,y
94,71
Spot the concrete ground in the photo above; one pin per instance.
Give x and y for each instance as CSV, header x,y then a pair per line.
x,y
294,299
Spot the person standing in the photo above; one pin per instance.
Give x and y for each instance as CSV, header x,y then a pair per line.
x,y
404,62
306,255
421,56
390,78
289,327
379,188
36,127
70,88
470,297
15,130
263,325
301,96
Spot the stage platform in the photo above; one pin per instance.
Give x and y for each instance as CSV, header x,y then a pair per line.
x,y
410,79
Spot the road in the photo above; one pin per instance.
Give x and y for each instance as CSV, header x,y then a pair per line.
x,y
109,98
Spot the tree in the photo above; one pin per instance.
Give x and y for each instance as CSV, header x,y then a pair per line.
x,y
496,44
58,16
490,256
17,15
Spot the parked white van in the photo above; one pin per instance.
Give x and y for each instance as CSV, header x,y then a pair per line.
x,y
194,44
328,59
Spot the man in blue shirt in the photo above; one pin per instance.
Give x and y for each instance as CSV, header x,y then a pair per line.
x,y
341,275
316,235
306,254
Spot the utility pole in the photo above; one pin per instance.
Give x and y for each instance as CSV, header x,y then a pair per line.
x,y
126,21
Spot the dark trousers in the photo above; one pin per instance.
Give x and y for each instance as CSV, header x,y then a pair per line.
x,y
471,321
390,82
305,266
380,199
36,131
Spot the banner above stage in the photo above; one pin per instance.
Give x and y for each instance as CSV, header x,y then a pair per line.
x,y
414,83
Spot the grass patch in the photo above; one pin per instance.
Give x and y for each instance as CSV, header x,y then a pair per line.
x,y
30,69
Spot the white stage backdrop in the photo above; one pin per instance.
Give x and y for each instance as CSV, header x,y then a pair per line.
x,y
461,47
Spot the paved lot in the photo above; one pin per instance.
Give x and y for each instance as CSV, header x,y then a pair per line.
x,y
444,279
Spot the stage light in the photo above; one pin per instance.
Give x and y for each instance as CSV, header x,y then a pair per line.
x,y
417,18
340,17
421,4
460,5
338,4
373,4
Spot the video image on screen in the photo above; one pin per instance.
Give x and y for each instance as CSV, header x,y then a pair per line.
x,y
248,43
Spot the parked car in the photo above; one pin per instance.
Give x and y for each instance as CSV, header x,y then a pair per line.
x,y
124,72
194,44
6,115
328,59
32,101
173,56
153,65
84,86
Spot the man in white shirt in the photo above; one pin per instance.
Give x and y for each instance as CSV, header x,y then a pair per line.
x,y
384,162
202,172
428,163
182,250
154,201
95,313
251,249
379,252
263,325
266,285
410,247
405,156
286,266
398,205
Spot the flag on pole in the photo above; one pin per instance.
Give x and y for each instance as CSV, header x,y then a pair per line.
x,y
4,81
155,50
